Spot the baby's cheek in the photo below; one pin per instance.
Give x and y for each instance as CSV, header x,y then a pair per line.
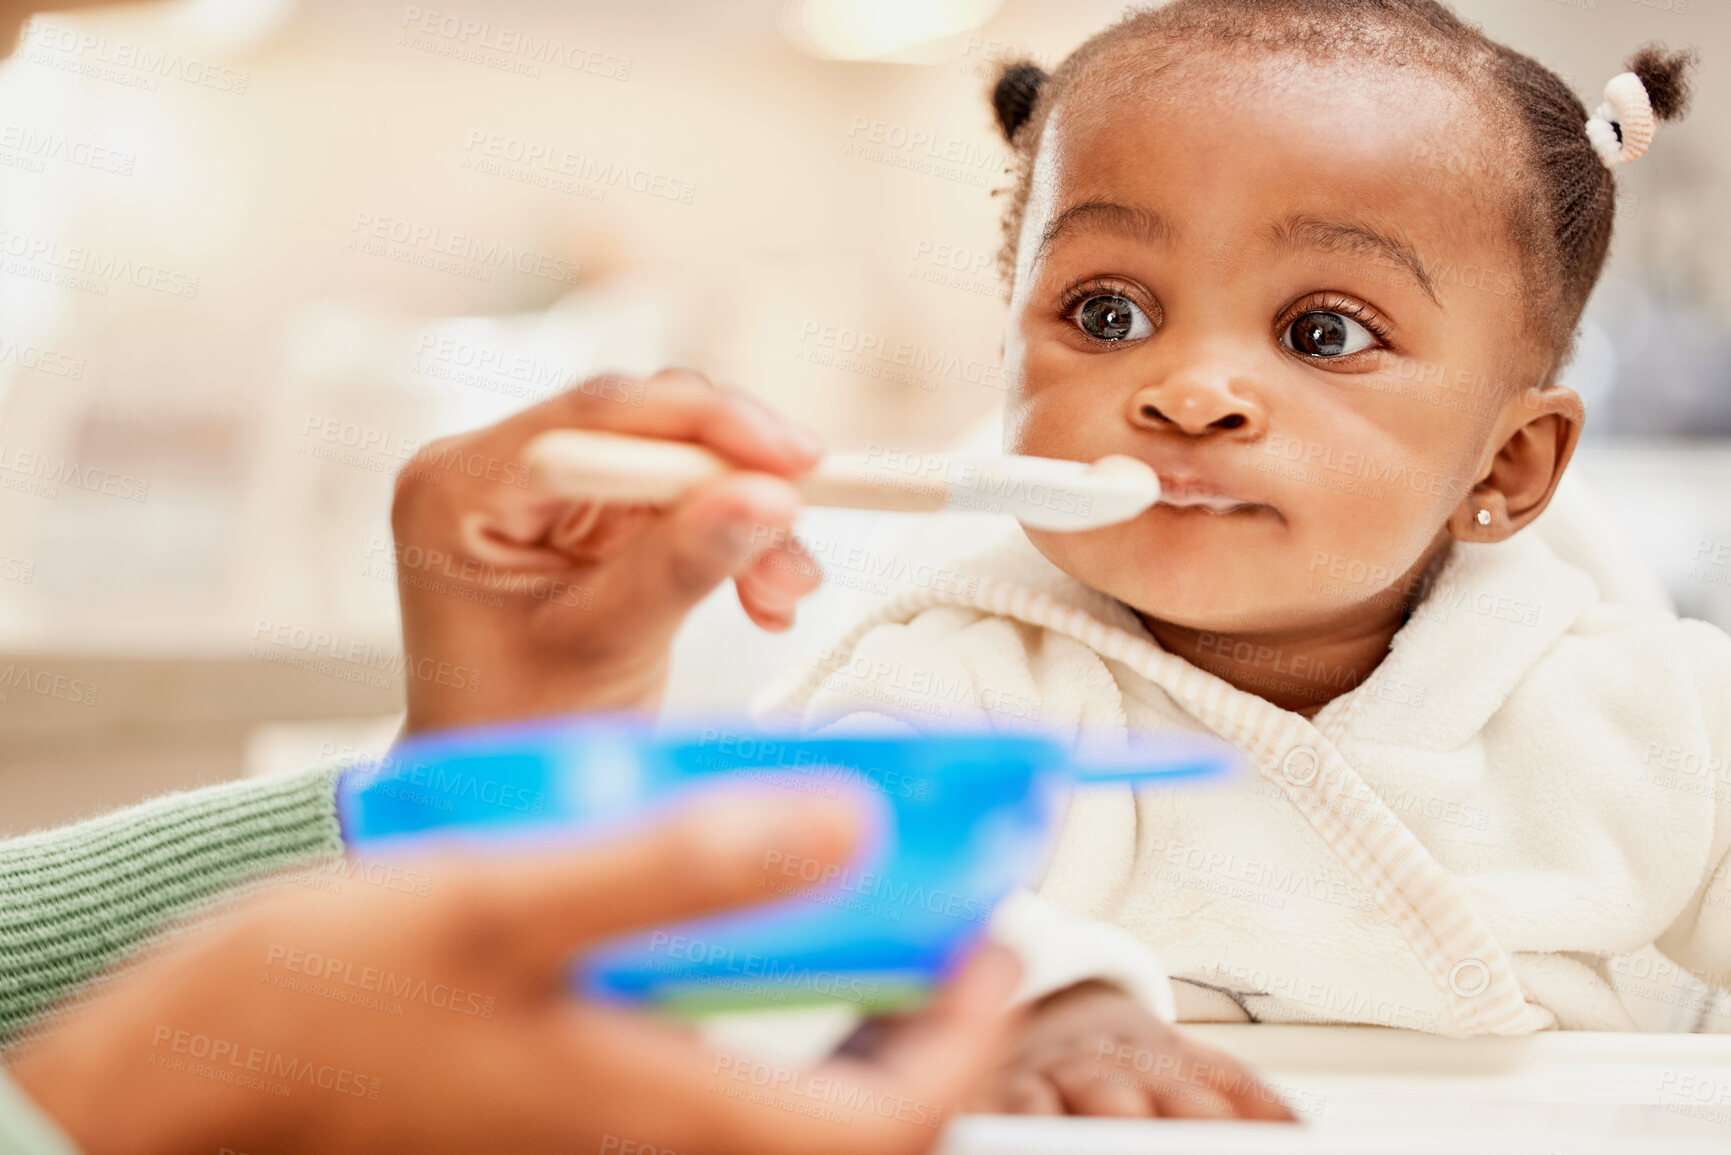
x,y
1360,544
1052,425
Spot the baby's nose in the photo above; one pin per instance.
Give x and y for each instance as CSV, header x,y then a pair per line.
x,y
1197,407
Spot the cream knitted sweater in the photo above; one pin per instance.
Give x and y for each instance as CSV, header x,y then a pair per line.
x,y
1531,783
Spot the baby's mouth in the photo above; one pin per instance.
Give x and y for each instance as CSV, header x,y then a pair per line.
x,y
1186,493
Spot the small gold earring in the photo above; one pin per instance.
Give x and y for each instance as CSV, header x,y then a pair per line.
x,y
1484,517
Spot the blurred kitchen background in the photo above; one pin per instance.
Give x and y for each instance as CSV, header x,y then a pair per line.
x,y
229,302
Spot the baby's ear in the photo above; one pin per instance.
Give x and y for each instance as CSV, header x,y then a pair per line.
x,y
1014,95
1526,469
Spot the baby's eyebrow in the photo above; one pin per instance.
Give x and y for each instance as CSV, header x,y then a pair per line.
x,y
1355,239
1140,224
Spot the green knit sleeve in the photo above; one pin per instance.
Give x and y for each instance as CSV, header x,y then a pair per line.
x,y
77,899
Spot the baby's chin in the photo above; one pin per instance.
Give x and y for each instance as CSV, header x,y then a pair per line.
x,y
1219,595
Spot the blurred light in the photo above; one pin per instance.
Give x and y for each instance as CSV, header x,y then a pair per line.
x,y
1593,370
878,29
228,27
35,205
325,339
200,207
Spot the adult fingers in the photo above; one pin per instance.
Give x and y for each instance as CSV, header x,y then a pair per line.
x,y
770,589
712,535
942,1050
680,405
507,524
715,855
911,1077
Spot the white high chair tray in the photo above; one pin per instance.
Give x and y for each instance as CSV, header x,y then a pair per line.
x,y
1369,1091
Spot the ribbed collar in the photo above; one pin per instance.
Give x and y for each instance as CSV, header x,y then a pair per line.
x,y
1492,613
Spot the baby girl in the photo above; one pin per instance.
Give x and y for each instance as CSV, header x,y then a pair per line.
x,y
1319,263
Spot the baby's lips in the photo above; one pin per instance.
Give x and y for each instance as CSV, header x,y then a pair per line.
x,y
1187,491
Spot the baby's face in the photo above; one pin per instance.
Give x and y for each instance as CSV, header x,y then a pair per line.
x,y
1300,306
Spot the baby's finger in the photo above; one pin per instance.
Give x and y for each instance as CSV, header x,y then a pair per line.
x,y
1026,1092
1091,1089
1183,1099
1250,1097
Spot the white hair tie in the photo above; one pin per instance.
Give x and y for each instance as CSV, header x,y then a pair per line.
x,y
1626,109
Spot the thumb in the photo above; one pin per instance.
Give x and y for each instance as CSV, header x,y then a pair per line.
x,y
720,852
944,1048
717,530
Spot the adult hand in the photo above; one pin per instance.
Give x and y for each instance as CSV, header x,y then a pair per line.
x,y
257,1035
518,604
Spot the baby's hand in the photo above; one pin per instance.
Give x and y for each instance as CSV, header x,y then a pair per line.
x,y
1093,1050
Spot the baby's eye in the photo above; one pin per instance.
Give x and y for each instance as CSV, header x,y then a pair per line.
x,y
1109,317
1324,334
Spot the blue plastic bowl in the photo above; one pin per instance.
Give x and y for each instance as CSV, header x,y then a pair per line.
x,y
955,823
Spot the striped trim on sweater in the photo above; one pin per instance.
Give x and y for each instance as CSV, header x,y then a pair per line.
x,y
1420,898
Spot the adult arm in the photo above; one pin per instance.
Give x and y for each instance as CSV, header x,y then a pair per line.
x,y
77,900
455,1030
580,607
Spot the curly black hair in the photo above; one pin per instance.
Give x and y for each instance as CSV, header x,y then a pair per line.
x,y
1565,229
